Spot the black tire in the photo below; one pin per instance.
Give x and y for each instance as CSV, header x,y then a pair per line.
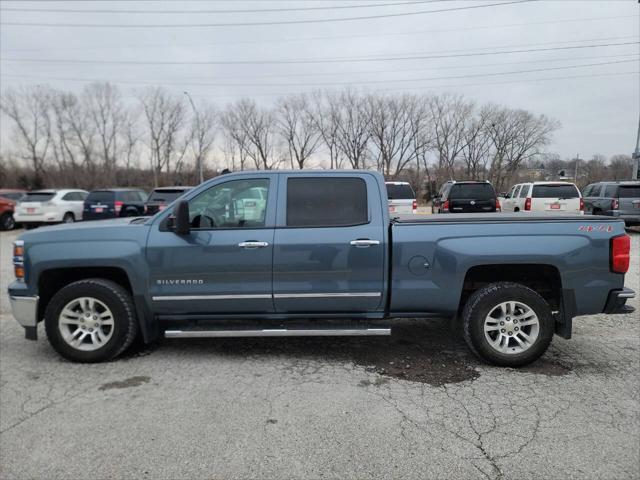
x,y
68,218
115,297
483,301
7,222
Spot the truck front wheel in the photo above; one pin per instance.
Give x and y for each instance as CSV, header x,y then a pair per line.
x,y
91,320
507,324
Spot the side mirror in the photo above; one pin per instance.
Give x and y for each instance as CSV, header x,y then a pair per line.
x,y
181,215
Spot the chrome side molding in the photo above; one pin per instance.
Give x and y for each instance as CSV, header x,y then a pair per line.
x,y
277,332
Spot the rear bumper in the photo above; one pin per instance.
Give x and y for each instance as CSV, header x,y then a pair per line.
x,y
47,217
616,303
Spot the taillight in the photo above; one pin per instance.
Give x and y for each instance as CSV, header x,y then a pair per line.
x,y
582,204
415,206
620,248
445,206
118,206
498,207
614,204
527,204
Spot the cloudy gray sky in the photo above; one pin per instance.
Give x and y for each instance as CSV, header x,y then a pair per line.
x,y
576,61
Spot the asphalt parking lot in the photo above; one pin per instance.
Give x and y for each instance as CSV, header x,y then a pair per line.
x,y
416,405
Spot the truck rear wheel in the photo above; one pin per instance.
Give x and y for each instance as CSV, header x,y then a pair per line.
x,y
507,324
91,320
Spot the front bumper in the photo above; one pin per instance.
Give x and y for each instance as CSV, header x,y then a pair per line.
x,y
616,303
24,310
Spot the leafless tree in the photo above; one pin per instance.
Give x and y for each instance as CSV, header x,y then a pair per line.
x,y
450,114
107,113
397,127
27,108
165,115
298,128
353,122
203,131
253,128
516,135
476,152
326,118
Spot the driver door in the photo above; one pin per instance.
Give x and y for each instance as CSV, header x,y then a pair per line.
x,y
224,265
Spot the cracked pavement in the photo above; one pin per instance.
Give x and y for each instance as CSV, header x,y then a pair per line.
x,y
416,405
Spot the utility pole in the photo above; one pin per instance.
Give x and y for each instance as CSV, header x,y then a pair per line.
x,y
195,111
575,173
636,156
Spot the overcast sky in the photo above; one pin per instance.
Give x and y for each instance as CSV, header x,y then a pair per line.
x,y
598,105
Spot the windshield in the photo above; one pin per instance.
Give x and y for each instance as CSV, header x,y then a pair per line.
x,y
100,196
401,191
165,195
38,196
555,191
629,191
472,191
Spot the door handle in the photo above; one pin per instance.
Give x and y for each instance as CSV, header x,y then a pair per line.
x,y
364,242
253,244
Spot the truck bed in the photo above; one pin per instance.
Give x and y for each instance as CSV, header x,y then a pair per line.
x,y
498,218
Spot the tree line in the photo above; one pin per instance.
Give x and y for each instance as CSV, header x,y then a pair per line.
x,y
99,137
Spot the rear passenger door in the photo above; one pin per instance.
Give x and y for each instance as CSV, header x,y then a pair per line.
x,y
329,244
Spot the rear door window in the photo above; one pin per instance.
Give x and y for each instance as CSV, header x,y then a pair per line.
x,y
400,192
611,191
555,191
326,202
524,191
472,191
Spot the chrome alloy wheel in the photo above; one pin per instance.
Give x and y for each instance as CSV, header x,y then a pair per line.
x,y
511,327
86,323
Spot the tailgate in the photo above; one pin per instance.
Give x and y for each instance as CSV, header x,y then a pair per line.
x,y
563,205
30,208
401,206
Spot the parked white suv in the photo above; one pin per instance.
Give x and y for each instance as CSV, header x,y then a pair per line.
x,y
551,197
402,198
42,207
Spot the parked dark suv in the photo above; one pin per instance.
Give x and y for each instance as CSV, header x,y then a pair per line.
x,y
114,202
466,197
615,199
161,197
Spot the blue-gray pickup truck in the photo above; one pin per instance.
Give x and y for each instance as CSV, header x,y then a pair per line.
x,y
281,253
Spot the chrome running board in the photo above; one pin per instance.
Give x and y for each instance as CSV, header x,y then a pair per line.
x,y
276,332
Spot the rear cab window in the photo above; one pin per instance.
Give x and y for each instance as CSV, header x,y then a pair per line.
x,y
326,202
472,191
555,191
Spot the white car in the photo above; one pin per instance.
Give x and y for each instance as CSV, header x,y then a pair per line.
x,y
41,207
551,197
402,198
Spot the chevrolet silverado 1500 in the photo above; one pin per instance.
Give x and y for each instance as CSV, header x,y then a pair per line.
x,y
280,253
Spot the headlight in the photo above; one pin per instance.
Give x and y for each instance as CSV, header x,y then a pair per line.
x,y
18,260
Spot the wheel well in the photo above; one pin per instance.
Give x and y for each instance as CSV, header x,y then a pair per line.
x,y
544,279
69,213
51,281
